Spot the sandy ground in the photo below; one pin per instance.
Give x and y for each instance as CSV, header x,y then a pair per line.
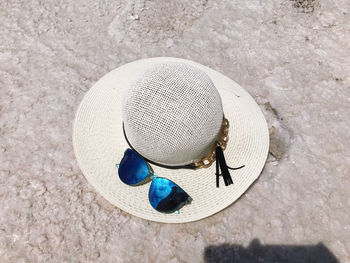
x,y
292,56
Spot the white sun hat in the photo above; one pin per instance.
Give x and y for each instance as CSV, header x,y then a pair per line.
x,y
172,112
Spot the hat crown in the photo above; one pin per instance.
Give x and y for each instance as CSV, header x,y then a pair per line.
x,y
172,113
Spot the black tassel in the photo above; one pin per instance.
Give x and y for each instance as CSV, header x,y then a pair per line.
x,y
221,165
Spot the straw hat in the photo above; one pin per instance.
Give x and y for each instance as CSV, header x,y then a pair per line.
x,y
172,112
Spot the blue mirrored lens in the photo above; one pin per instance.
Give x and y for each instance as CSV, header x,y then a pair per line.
x,y
165,196
132,168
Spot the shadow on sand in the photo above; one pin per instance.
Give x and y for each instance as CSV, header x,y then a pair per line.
x,y
256,252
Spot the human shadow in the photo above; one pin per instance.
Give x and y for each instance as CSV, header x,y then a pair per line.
x,y
256,252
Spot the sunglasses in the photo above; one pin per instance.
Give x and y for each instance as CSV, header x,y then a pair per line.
x,y
164,195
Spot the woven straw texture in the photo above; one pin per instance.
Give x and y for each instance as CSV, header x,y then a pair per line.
x,y
99,144
172,108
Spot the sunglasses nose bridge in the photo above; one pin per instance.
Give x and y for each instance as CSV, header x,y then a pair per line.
x,y
153,176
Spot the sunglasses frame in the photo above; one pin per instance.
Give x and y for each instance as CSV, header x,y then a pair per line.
x,y
151,177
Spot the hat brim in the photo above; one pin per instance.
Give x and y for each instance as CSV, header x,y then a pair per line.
x,y
99,145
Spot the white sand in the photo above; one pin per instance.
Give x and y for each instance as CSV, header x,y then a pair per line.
x,y
292,56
